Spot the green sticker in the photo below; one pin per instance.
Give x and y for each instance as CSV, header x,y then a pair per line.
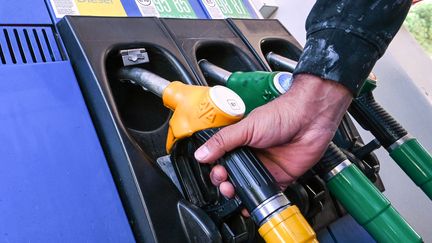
x,y
174,9
233,9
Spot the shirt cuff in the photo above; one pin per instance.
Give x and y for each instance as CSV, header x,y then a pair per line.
x,y
340,56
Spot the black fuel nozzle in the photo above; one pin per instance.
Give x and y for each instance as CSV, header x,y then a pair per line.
x,y
255,186
405,150
374,118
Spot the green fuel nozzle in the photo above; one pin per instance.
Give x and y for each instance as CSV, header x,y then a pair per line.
x,y
405,150
255,88
363,201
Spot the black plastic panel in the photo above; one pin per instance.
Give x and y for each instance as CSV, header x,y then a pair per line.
x,y
132,123
213,40
264,36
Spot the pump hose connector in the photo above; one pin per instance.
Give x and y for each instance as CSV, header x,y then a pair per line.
x,y
279,221
213,72
366,204
281,63
148,80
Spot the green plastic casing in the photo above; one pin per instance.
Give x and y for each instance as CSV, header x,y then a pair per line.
x,y
369,207
255,88
416,162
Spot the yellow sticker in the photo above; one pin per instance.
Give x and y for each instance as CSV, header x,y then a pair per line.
x,y
100,7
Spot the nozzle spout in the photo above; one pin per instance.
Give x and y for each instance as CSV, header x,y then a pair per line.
x,y
281,63
148,80
213,72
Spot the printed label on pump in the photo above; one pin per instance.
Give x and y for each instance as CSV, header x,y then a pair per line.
x,y
147,8
227,101
212,9
233,9
219,9
166,8
87,7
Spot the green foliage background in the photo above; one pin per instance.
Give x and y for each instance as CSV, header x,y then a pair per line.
x,y
419,23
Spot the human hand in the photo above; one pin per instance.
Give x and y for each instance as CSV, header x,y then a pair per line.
x,y
289,134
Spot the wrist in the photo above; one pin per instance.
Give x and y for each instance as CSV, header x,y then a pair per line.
x,y
315,88
321,100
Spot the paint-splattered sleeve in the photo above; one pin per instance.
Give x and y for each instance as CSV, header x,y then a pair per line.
x,y
346,37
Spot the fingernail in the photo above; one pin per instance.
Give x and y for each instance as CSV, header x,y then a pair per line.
x,y
201,153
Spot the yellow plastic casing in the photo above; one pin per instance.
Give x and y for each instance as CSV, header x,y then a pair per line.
x,y
193,111
287,226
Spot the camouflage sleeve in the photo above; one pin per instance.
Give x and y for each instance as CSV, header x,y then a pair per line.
x,y
345,38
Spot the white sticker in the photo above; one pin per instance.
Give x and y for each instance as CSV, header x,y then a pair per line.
x,y
147,8
64,7
212,9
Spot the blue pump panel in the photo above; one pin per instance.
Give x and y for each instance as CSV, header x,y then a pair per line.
x,y
28,44
345,229
24,12
55,182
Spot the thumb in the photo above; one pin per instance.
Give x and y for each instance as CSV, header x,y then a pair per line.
x,y
227,139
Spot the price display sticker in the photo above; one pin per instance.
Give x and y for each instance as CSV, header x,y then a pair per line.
x,y
233,9
212,9
87,7
166,8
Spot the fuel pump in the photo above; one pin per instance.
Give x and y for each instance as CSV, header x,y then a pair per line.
x,y
198,112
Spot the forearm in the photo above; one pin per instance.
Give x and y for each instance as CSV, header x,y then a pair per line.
x,y
345,38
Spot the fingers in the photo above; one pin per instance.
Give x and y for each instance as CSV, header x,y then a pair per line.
x,y
223,141
227,189
245,213
219,177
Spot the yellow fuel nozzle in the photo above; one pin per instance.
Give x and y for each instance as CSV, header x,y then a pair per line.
x,y
195,107
287,226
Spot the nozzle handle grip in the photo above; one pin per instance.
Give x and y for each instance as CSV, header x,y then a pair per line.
x,y
278,220
363,201
375,119
369,207
416,162
252,181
